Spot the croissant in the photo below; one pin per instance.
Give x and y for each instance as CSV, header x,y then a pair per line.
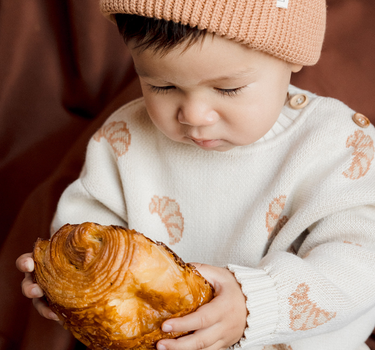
x,y
114,287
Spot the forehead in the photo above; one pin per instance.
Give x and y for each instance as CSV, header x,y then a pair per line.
x,y
213,58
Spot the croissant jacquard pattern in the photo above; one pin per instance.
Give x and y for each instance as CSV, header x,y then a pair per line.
x,y
114,287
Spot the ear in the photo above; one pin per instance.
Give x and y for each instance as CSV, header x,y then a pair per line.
x,y
295,68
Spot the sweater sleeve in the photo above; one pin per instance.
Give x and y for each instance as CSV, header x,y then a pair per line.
x,y
97,195
327,285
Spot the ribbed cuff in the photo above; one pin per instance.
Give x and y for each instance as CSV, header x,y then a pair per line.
x,y
262,304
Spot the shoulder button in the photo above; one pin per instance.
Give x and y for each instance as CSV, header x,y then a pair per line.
x,y
361,120
299,101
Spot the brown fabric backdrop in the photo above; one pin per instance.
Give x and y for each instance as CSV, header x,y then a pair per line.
x,y
63,70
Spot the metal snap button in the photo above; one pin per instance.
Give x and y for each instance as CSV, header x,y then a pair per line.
x,y
361,120
299,101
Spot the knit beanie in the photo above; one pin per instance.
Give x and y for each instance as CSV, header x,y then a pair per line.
x,y
292,30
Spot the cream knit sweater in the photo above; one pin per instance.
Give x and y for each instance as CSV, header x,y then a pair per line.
x,y
292,215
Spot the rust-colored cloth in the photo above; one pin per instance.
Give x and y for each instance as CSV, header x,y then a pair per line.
x,y
346,68
63,70
61,64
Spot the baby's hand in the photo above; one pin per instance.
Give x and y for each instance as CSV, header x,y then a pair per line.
x,y
25,263
218,324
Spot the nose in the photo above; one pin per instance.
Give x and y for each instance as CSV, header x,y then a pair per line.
x,y
197,113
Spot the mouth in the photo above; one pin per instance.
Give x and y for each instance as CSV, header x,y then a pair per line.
x,y
206,143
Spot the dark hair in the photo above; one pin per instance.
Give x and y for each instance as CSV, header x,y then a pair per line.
x,y
157,34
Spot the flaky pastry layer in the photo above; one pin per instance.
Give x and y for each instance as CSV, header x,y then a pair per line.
x,y
114,287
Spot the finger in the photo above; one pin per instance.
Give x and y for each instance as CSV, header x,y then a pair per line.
x,y
217,346
203,339
29,288
25,263
213,274
209,272
43,309
204,317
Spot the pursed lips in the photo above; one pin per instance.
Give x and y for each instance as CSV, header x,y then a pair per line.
x,y
206,143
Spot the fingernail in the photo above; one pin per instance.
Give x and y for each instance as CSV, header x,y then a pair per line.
x,y
53,316
29,265
166,328
161,347
35,292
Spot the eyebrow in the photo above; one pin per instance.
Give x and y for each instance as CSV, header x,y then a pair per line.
x,y
236,75
141,73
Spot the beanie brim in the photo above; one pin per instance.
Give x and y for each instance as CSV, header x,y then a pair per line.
x,y
294,34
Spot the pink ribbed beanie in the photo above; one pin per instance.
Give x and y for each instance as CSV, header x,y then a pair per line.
x,y
294,34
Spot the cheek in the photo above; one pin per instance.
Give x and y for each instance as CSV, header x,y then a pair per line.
x,y
272,98
156,106
268,113
163,115
252,120
159,105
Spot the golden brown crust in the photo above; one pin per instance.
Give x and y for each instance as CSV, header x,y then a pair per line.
x,y
114,287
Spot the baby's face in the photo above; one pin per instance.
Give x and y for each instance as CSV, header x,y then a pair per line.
x,y
215,95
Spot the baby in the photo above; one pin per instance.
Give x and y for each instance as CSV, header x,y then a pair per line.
x,y
269,189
